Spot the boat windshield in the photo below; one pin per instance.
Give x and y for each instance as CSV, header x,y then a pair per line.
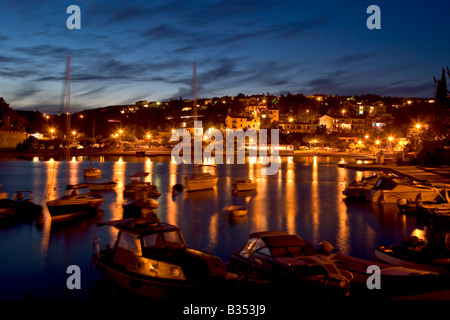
x,y
167,240
293,251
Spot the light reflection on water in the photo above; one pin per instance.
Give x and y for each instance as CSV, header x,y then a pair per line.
x,y
304,197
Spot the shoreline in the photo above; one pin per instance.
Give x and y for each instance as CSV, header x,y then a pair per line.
x,y
164,152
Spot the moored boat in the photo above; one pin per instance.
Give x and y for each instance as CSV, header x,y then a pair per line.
x,y
288,259
246,184
19,208
150,258
72,206
201,180
416,253
102,186
358,188
137,184
390,188
92,172
236,211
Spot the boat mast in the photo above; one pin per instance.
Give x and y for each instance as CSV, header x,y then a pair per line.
x,y
195,91
68,119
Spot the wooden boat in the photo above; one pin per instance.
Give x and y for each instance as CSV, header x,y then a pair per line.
x,y
246,184
19,208
201,180
390,188
137,184
150,258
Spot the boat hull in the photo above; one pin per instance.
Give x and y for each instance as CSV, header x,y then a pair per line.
x,y
201,184
65,210
389,255
159,289
392,196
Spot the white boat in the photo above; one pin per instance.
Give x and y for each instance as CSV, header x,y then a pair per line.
x,y
74,205
390,188
92,172
138,184
246,184
201,180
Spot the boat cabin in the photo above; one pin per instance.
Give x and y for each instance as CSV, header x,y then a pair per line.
x,y
158,250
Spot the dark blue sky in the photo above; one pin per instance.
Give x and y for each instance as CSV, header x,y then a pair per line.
x,y
132,50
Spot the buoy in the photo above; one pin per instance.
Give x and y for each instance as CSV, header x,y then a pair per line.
x,y
402,204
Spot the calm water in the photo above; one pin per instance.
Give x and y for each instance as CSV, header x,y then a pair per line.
x,y
304,198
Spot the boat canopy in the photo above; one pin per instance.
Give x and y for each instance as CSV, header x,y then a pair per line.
x,y
385,183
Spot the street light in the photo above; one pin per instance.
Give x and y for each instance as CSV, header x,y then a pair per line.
x,y
52,131
148,139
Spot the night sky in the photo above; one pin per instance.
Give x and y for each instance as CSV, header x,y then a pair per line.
x,y
126,51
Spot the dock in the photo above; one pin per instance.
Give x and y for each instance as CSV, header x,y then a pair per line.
x,y
437,176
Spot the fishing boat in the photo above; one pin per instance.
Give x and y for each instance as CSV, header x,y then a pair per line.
x,y
138,184
246,184
150,258
288,259
19,208
390,188
201,180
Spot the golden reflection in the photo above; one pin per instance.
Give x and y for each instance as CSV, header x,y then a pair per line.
x,y
213,231
259,218
315,200
148,167
172,207
119,177
74,170
291,208
343,237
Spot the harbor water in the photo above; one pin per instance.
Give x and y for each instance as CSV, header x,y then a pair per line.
x,y
304,198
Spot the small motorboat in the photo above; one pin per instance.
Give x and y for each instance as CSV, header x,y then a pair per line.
x,y
290,260
73,205
246,184
390,188
150,258
138,184
102,186
236,211
92,172
201,180
358,188
416,253
140,206
19,208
